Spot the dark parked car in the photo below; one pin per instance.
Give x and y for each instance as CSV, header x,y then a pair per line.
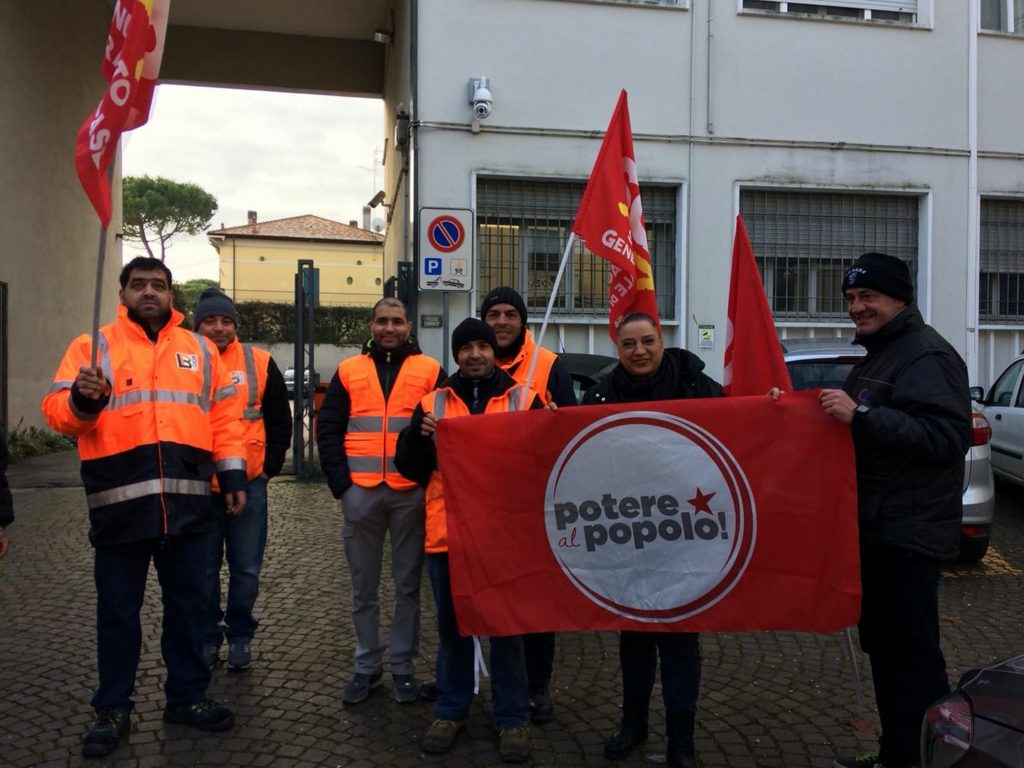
x,y
824,363
980,724
586,369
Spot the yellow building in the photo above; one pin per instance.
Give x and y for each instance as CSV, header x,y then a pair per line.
x,y
258,260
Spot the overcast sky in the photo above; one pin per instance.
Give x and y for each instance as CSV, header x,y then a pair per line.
x,y
280,154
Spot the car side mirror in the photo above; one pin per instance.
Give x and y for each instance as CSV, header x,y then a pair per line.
x,y
977,394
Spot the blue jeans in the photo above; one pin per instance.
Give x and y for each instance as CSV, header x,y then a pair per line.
x,y
511,698
120,573
244,538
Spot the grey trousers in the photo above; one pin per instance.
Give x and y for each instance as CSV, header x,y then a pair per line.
x,y
369,514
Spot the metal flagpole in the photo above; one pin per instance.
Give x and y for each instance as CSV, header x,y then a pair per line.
x,y
547,316
851,654
98,295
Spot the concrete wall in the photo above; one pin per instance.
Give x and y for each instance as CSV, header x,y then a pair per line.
x,y
719,100
49,83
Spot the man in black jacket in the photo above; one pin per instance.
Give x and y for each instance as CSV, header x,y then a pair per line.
x,y
369,400
909,412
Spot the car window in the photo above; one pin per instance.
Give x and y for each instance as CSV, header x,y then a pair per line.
x,y
1002,390
818,374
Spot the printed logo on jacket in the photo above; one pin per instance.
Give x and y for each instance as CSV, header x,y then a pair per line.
x,y
658,545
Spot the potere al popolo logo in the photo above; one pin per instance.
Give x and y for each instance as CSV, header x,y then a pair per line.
x,y
650,516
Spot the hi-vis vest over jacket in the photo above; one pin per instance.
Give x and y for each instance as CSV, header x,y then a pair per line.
x,y
247,367
374,424
445,404
149,451
519,367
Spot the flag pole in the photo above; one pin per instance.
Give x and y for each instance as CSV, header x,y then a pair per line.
x,y
547,317
98,295
848,643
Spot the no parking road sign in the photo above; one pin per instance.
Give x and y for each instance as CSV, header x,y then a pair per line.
x,y
446,249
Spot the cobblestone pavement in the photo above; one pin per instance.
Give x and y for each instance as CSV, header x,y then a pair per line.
x,y
768,699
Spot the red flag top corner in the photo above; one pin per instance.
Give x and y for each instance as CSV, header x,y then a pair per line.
x,y
610,220
753,355
131,64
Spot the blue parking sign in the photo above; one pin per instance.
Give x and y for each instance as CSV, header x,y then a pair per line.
x,y
431,266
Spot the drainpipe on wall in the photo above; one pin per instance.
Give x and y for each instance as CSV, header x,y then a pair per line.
x,y
412,151
973,201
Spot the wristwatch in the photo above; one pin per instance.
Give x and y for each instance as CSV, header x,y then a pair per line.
x,y
862,409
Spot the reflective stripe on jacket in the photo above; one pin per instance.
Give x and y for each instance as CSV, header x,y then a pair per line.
x,y
519,367
445,404
168,425
374,423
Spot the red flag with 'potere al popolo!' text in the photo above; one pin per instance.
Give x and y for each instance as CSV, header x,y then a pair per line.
x,y
753,355
131,63
727,514
610,220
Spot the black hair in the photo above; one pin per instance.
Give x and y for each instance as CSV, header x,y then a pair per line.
x,y
390,301
144,264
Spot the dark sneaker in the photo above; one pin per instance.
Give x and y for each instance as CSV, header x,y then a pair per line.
x,y
428,690
404,688
111,725
359,689
441,735
542,709
207,715
239,655
870,760
514,744
210,653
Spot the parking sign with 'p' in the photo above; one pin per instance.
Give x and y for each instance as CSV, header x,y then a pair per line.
x,y
431,266
446,243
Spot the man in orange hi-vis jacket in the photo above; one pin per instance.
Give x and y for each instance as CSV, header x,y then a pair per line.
x,y
154,423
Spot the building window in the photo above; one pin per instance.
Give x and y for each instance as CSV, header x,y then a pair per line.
x,y
1003,16
1001,284
805,241
904,11
523,225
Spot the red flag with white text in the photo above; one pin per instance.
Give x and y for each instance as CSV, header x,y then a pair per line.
x,y
610,220
753,355
675,515
131,63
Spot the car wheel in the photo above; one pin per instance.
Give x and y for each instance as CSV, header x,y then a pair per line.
x,y
973,548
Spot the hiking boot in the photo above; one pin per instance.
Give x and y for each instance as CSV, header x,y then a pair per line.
x,y
428,690
542,709
514,744
111,725
441,735
359,688
207,715
210,653
404,688
239,655
870,760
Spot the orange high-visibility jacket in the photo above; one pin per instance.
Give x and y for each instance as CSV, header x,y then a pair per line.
x,y
247,367
374,424
443,403
151,446
519,367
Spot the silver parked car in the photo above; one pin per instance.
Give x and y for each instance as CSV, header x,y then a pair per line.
x,y
1004,408
825,363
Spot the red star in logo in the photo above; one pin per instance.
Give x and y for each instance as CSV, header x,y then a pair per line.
x,y
701,502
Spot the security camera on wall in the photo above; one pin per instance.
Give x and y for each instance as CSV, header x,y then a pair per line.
x,y
480,97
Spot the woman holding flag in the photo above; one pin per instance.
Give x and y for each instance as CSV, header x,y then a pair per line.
x,y
647,371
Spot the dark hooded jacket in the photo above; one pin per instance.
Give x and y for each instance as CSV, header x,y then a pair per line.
x,y
680,377
911,440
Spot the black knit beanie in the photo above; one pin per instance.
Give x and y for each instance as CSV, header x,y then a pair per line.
x,y
883,273
504,295
469,330
213,302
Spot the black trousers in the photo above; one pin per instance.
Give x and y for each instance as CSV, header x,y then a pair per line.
x,y
540,659
120,572
680,667
899,630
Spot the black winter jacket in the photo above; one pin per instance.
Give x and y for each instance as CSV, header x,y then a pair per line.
x,y
910,442
680,377
332,421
